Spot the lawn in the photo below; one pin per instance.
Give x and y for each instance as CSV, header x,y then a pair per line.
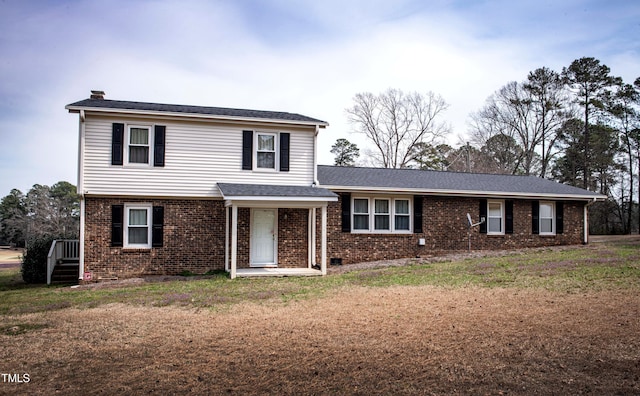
x,y
544,321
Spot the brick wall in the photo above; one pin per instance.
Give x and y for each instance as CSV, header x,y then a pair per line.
x,y
445,229
194,236
193,240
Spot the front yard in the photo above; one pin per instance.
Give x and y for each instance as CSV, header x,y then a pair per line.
x,y
545,321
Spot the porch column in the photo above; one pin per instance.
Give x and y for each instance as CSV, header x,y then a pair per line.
x,y
234,240
226,239
323,257
314,236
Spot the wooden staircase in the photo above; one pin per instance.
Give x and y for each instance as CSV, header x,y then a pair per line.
x,y
63,262
66,272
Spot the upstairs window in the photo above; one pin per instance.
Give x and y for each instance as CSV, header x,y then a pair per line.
x,y
138,145
266,151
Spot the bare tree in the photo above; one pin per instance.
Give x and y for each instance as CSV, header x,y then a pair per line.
x,y
530,113
396,122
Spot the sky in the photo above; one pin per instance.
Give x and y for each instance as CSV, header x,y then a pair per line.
x,y
306,57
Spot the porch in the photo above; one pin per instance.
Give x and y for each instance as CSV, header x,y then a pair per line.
x,y
279,272
260,235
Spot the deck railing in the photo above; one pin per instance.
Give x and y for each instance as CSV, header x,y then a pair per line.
x,y
61,249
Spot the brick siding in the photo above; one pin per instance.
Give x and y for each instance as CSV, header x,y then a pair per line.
x,y
194,235
444,223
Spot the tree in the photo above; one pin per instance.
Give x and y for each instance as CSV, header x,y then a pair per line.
x,y
43,212
428,157
570,167
622,105
504,154
396,122
12,218
589,80
529,113
346,152
551,110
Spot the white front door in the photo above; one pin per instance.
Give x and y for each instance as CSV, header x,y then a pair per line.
x,y
263,237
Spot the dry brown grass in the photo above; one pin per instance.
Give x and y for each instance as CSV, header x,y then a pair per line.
x,y
360,340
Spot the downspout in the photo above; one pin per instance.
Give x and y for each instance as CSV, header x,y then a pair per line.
x,y
80,190
315,156
585,217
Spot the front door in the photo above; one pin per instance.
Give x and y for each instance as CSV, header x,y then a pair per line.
x,y
263,237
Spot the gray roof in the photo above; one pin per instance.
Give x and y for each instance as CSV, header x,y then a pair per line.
x,y
446,183
202,110
261,190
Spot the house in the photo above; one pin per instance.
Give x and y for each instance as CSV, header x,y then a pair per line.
x,y
167,189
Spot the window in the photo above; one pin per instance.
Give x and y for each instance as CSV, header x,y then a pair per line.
x,y
495,217
137,226
381,214
546,218
402,217
266,151
138,145
390,215
361,214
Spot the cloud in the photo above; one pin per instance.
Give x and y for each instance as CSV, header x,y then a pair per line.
x,y
310,58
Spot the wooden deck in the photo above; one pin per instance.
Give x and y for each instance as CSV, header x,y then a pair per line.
x,y
251,272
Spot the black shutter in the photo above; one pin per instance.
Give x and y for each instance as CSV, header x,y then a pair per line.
x,y
117,221
535,217
559,217
247,150
346,212
417,214
158,145
508,220
157,230
483,214
117,143
284,152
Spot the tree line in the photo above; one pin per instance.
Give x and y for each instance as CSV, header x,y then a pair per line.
x,y
43,212
579,126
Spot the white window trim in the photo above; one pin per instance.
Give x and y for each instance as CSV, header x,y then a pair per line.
x,y
391,214
553,218
127,142
149,208
353,214
502,218
387,214
276,148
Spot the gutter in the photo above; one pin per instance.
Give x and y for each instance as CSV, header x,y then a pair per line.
x,y
271,121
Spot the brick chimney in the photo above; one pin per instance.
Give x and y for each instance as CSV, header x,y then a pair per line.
x,y
97,95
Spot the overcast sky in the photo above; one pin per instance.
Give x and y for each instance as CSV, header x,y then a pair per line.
x,y
307,57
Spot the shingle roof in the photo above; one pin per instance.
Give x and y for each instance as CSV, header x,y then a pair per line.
x,y
201,110
262,190
446,183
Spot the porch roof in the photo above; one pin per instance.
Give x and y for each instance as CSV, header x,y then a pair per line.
x,y
275,193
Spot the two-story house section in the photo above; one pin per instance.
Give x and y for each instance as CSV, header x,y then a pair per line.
x,y
169,189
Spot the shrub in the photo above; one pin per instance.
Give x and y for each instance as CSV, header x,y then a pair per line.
x,y
34,261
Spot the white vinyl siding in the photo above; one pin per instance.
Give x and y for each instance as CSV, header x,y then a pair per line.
x,y
197,156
